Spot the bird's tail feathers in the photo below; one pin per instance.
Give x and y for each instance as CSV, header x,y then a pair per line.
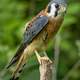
x,y
19,67
17,56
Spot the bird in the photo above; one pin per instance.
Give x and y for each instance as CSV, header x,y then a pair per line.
x,y
40,30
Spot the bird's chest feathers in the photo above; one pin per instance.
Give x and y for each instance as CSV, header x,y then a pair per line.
x,y
53,26
47,33
50,29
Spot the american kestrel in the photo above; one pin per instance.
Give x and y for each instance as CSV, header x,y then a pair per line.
x,y
39,31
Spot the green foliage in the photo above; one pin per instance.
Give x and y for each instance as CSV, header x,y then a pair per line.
x,y
14,14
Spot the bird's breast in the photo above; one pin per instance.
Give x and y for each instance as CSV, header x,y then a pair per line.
x,y
52,27
41,40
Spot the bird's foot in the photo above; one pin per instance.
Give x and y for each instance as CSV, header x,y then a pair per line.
x,y
45,57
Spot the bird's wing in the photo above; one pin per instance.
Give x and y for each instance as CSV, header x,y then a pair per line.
x,y
31,32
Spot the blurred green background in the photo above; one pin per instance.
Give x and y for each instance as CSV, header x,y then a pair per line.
x,y
13,16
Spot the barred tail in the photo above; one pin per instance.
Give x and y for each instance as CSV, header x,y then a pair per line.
x,y
19,67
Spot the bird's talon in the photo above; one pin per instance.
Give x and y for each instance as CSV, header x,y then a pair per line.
x,y
38,57
47,57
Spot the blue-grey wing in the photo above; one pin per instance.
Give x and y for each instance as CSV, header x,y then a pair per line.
x,y
37,26
29,35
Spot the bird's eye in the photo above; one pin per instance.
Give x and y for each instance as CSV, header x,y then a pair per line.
x,y
57,6
49,8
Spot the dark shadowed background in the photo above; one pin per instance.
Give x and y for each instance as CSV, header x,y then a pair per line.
x,y
13,16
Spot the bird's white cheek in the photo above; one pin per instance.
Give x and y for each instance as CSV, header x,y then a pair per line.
x,y
52,13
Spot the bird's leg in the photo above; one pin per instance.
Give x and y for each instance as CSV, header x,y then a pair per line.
x,y
38,56
45,54
45,57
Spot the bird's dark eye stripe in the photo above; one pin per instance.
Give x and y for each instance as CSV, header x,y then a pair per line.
x,y
56,13
49,8
57,6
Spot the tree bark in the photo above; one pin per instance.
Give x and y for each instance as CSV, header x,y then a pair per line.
x,y
45,68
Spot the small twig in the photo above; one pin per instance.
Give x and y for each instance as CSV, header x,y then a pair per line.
x,y
45,67
56,56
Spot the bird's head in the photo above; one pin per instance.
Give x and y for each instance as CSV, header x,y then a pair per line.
x,y
56,8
